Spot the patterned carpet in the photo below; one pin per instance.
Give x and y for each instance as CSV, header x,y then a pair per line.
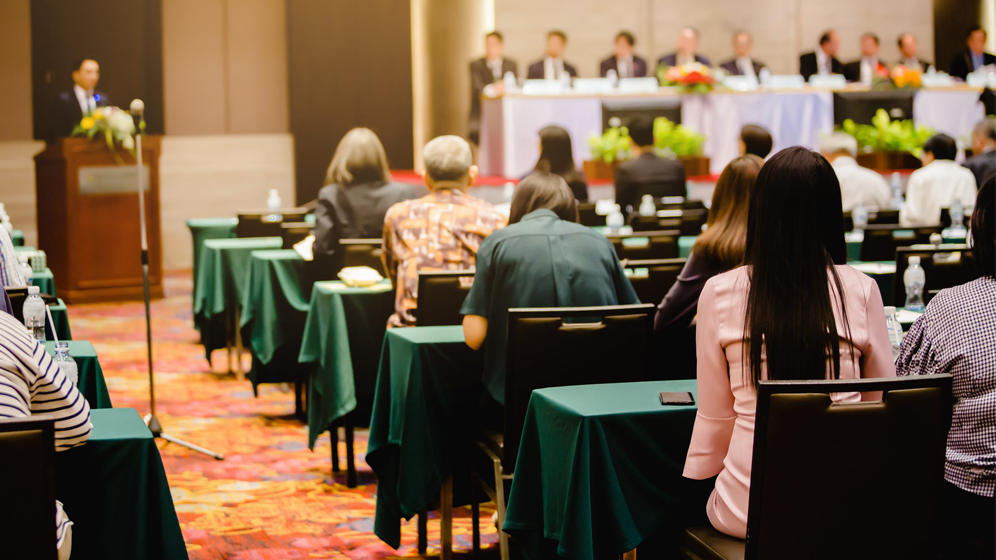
x,y
271,498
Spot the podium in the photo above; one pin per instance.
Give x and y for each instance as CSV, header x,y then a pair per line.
x,y
88,219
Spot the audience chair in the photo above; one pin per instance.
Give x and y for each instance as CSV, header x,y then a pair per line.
x,y
258,223
587,215
27,485
440,296
557,347
688,222
875,217
831,481
881,241
653,283
646,245
295,232
362,252
943,268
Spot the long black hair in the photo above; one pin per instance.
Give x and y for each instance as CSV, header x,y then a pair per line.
x,y
795,236
556,154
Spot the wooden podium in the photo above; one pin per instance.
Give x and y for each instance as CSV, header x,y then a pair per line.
x,y
88,223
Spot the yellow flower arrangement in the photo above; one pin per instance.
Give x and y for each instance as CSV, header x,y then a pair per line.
x,y
903,77
87,123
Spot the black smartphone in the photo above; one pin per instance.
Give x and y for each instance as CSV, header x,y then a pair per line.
x,y
679,398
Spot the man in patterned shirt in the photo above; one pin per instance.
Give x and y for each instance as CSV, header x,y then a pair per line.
x,y
441,231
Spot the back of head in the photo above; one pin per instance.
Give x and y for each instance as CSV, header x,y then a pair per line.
x,y
556,151
447,158
985,129
839,144
795,235
543,190
723,242
359,158
641,131
757,140
984,228
941,146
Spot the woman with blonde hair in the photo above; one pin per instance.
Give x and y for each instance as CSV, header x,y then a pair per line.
x,y
356,197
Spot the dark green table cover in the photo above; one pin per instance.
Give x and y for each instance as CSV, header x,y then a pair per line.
x,y
115,491
45,282
203,229
60,316
883,273
220,284
17,238
91,377
342,338
421,430
599,468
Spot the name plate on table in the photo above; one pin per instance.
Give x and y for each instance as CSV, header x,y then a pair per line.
x,y
112,179
828,81
785,81
638,85
937,80
543,87
741,83
593,85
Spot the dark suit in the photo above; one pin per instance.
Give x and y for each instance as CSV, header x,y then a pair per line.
x,y
962,66
852,70
982,166
480,77
66,113
639,67
671,59
809,65
537,71
648,174
732,69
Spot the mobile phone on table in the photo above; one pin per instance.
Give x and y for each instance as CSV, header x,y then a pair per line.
x,y
677,398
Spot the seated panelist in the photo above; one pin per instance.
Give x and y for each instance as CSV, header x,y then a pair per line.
x,y
553,66
624,62
688,44
742,64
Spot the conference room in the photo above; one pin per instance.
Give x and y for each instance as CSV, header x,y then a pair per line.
x,y
291,279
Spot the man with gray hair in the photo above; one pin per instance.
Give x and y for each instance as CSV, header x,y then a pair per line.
x,y
982,164
440,231
857,184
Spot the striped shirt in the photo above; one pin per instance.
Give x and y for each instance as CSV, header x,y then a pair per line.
x,y
9,271
31,384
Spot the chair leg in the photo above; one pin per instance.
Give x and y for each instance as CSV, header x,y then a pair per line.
x,y
631,555
475,516
500,502
423,531
446,520
334,437
350,459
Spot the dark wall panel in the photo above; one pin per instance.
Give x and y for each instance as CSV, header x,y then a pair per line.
x,y
952,18
124,36
349,65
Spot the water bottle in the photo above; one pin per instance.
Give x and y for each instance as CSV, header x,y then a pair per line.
x,y
895,330
612,77
936,239
914,278
764,77
509,190
859,215
27,273
66,362
509,79
34,314
897,191
615,219
647,206
274,204
957,213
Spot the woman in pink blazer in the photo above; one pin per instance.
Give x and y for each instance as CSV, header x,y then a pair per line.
x,y
818,318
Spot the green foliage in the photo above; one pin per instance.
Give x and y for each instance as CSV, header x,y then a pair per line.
x,y
887,135
614,144
680,140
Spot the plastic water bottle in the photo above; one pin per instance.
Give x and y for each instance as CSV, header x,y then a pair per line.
x,y
34,314
274,204
509,80
957,213
895,329
647,206
764,77
27,273
612,77
897,191
509,190
66,362
859,215
914,278
936,239
615,219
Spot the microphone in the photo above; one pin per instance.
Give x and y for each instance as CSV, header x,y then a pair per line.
x,y
138,113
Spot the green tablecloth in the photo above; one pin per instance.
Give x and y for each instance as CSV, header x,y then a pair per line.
x,y
274,309
61,318
685,243
114,489
17,238
599,468
220,284
342,337
203,229
883,272
91,376
45,282
854,239
421,430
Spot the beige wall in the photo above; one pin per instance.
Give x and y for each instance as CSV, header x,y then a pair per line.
x,y
15,67
782,29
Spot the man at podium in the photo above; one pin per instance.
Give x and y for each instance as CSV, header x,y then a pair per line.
x,y
69,107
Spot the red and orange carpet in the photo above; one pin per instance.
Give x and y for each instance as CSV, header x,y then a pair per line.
x,y
271,498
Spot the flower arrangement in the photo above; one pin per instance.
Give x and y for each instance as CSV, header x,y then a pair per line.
x,y
113,124
887,135
906,78
690,78
613,145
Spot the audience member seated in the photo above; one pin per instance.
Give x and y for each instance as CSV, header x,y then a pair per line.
x,y
982,164
822,61
31,384
10,274
440,231
718,249
957,335
356,197
557,157
687,53
544,258
553,66
974,56
908,54
818,318
646,173
487,72
755,140
857,184
624,62
937,184
869,66
742,64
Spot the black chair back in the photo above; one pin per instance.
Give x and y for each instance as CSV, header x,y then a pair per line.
x,y
943,268
657,245
660,275
362,252
881,241
844,480
440,296
294,232
875,217
258,223
27,485
686,221
546,349
587,215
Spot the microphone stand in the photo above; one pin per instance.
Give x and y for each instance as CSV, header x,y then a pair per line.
x,y
150,419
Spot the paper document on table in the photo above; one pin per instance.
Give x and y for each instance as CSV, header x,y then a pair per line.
x,y
906,317
305,248
875,267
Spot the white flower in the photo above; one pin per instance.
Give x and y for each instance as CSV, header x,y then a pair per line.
x,y
121,123
128,143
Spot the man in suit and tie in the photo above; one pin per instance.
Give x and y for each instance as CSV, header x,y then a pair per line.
x,y
865,70
484,72
983,163
908,56
823,60
70,107
552,67
624,62
975,56
743,64
688,44
647,173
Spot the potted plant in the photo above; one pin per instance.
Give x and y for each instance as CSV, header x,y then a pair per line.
x,y
675,140
887,145
607,151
